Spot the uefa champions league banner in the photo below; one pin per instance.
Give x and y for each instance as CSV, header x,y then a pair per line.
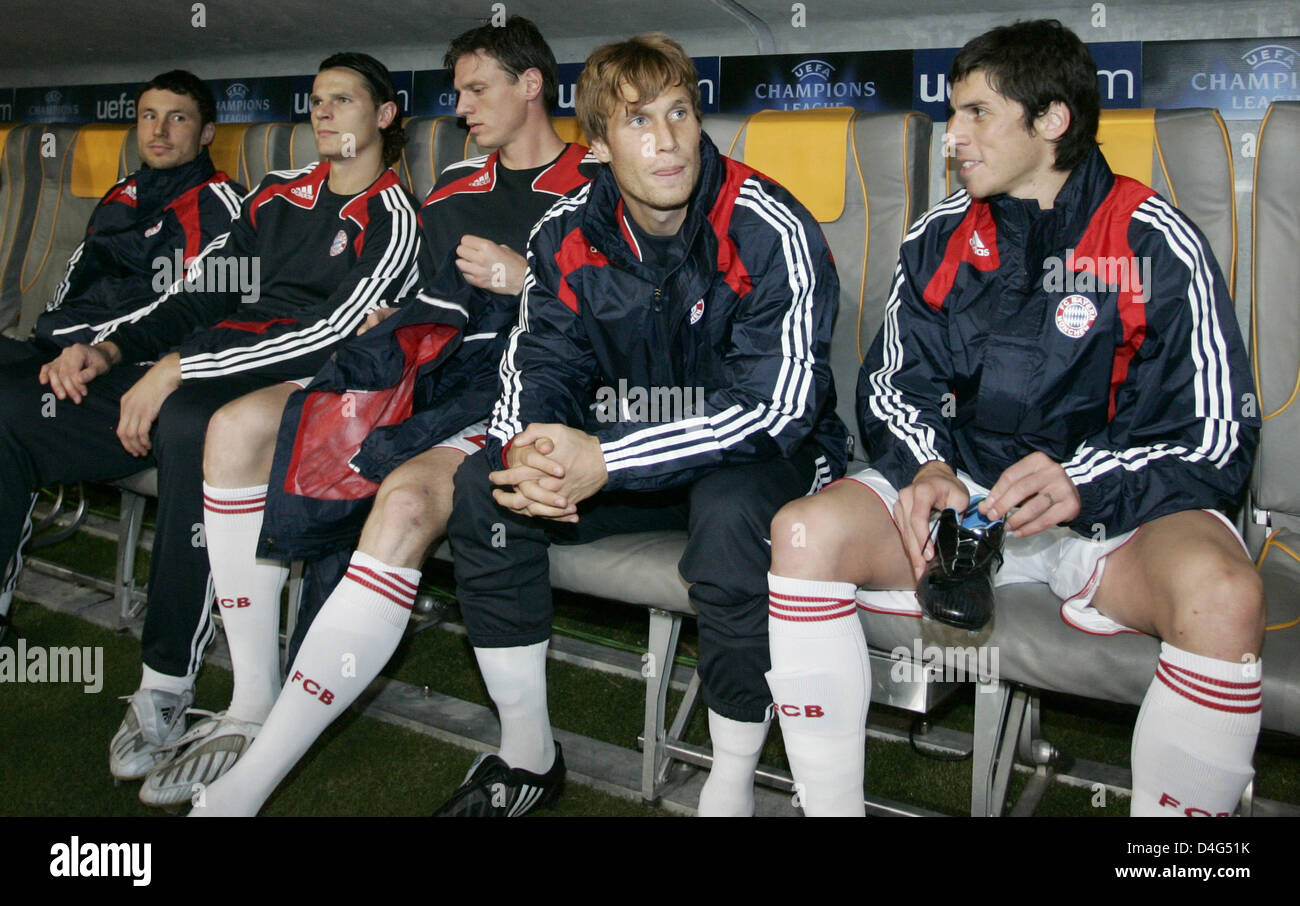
x,y
238,101
65,104
1239,76
1119,76
300,94
707,67
434,94
260,100
113,103
875,80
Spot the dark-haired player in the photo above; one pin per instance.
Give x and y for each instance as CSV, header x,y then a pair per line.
x,y
175,203
1116,408
478,218
677,269
325,246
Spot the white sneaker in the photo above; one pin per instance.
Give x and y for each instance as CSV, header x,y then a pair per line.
x,y
210,748
154,720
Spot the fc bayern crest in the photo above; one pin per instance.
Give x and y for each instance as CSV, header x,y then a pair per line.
x,y
1075,315
339,244
697,311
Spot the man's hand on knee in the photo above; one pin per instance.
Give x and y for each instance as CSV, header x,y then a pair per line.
x,y
935,487
1037,485
582,463
76,367
520,486
140,405
562,467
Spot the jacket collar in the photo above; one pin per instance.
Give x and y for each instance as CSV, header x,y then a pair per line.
x,y
602,215
156,188
1086,187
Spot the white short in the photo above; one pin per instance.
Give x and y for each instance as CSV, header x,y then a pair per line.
x,y
1070,564
469,441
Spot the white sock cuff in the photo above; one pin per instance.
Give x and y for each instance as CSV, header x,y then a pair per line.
x,y
512,662
234,501
165,682
1247,671
392,589
737,737
1225,695
811,608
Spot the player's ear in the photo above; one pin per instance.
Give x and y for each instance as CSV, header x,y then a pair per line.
x,y
1054,122
387,114
531,79
207,135
601,150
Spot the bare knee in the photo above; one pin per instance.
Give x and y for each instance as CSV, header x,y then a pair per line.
x,y
239,446
809,541
406,506
1221,604
411,508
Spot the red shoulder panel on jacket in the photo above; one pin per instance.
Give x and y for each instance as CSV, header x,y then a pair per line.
x,y
974,242
122,193
563,176
575,252
302,191
1106,241
480,180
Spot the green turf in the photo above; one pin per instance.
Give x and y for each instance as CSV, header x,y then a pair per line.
x,y
593,704
54,747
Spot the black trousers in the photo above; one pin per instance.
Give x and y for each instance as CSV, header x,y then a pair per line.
x,y
44,441
502,571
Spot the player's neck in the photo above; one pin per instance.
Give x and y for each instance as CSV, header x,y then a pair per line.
x,y
654,221
535,145
350,175
1044,188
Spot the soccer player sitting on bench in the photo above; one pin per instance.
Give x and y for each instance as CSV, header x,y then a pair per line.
x,y
1103,425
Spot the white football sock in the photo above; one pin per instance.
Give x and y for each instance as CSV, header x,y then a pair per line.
x,y
1195,735
821,683
248,595
729,790
354,635
165,682
516,680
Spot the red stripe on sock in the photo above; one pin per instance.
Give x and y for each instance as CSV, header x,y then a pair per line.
x,y
1206,704
774,594
852,611
236,507
391,577
1208,679
395,582
1214,693
235,501
830,606
365,583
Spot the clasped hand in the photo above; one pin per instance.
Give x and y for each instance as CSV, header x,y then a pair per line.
x,y
551,469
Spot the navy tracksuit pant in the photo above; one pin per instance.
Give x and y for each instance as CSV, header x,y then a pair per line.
x,y
503,582
47,441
